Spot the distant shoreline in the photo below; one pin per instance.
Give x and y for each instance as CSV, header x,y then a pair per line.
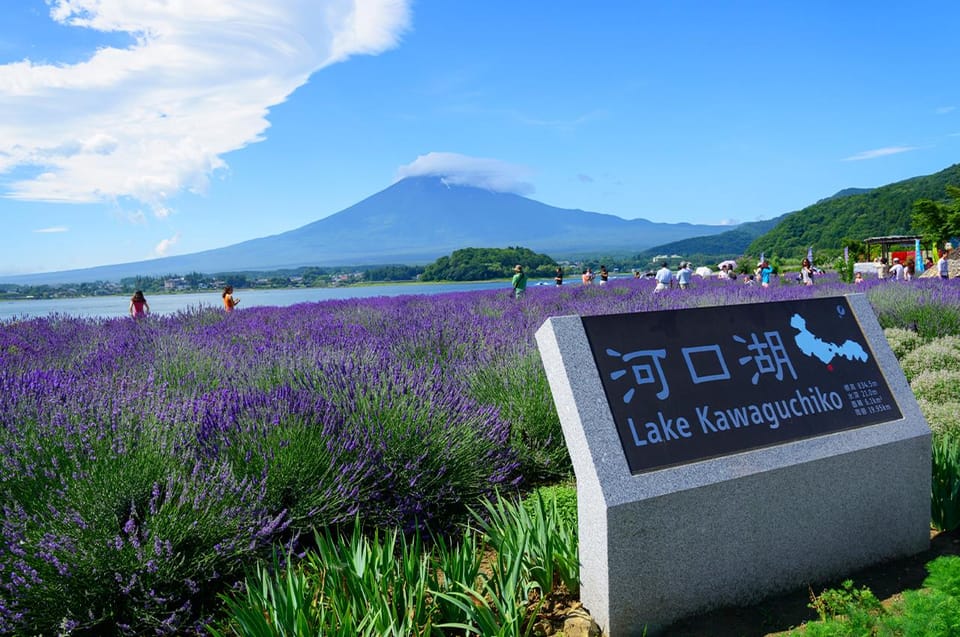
x,y
217,291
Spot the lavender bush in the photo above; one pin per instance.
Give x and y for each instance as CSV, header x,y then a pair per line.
x,y
926,306
144,463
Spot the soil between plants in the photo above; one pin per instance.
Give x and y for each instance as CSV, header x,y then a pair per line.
x,y
782,613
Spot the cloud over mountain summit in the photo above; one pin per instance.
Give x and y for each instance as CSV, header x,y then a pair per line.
x,y
462,170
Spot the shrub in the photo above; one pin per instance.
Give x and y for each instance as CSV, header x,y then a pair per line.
x,y
937,385
902,341
844,268
431,448
933,611
940,354
927,306
851,611
924,613
118,536
943,418
518,387
558,498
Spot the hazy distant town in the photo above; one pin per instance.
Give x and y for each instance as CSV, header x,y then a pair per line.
x,y
469,264
195,282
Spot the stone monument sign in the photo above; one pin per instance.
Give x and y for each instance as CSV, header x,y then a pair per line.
x,y
723,454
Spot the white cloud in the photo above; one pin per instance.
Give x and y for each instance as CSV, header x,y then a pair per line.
x,y
52,230
154,119
880,152
729,222
943,110
462,170
164,246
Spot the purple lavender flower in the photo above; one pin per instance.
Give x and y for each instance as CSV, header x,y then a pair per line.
x,y
144,465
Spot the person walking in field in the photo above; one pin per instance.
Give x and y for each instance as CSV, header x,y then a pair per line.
x,y
519,282
806,272
138,305
664,278
228,301
684,275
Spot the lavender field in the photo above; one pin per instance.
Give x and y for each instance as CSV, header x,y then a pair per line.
x,y
145,464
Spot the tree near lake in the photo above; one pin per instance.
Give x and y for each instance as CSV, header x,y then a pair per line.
x,y
479,264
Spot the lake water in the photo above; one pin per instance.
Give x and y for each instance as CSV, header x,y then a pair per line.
x,y
113,306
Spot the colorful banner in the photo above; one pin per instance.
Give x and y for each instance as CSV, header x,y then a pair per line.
x,y
918,259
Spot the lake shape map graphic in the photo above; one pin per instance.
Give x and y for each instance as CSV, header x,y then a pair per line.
x,y
812,345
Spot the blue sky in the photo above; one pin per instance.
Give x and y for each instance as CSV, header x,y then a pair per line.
x,y
131,129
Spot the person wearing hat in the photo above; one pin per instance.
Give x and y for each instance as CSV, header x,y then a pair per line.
x,y
896,270
519,281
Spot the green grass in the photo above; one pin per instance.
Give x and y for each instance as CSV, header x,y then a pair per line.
x,y
387,584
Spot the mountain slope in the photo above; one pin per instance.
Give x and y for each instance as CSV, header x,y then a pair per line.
x,y
731,243
419,219
886,210
715,247
415,220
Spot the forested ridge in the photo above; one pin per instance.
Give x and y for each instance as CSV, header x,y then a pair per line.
x,y
713,248
477,264
886,210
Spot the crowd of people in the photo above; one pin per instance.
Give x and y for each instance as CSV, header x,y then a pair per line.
x,y
898,271
762,275
665,278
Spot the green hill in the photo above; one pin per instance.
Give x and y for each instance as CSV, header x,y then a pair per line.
x,y
714,248
886,210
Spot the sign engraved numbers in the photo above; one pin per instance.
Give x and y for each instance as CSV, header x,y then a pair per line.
x,y
684,385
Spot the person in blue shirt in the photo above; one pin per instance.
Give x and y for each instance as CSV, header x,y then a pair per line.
x,y
765,271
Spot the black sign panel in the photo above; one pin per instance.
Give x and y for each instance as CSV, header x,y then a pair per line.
x,y
685,385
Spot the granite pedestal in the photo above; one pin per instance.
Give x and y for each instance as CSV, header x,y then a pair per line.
x,y
730,530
